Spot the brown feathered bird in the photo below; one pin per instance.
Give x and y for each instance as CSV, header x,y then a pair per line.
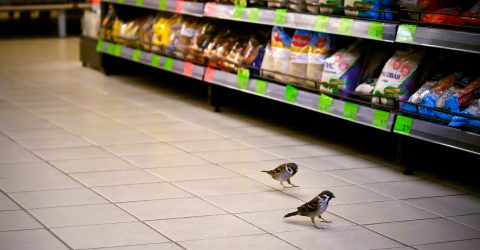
x,y
314,208
283,173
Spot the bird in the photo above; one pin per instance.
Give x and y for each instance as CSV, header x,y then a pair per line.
x,y
283,173
314,208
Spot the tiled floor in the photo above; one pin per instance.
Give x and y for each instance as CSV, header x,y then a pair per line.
x,y
95,162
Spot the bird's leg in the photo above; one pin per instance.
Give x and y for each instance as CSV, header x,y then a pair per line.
x,y
291,183
326,221
281,183
314,224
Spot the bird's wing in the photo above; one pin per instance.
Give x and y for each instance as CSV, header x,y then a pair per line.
x,y
309,207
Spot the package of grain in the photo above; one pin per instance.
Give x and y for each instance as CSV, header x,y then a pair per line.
x,y
281,42
299,56
319,48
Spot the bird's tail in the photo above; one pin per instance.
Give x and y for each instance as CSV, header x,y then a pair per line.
x,y
291,214
266,171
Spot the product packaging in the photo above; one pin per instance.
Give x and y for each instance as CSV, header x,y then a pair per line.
x,y
299,47
320,48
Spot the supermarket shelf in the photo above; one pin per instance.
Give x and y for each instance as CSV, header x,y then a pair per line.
x,y
439,134
175,6
169,64
363,115
334,25
440,38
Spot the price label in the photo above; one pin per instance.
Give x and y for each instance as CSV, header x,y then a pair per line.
x,y
188,69
209,73
291,94
117,50
238,12
137,54
260,87
380,119
346,26
254,14
325,103
168,64
121,1
162,5
403,125
240,3
350,111
110,48
179,7
243,75
321,23
210,9
375,30
140,3
406,33
100,45
280,16
155,61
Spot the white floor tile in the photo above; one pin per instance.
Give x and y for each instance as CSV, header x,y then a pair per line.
x,y
119,177
141,192
215,226
39,239
257,242
109,235
17,220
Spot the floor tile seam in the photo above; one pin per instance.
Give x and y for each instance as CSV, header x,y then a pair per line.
x,y
228,212
71,206
143,244
449,241
36,220
75,180
131,220
235,236
239,235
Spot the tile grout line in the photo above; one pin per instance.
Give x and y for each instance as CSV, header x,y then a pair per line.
x,y
37,220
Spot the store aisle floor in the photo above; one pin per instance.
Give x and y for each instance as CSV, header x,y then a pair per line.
x,y
95,162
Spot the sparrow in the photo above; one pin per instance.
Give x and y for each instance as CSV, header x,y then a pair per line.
x,y
314,208
283,173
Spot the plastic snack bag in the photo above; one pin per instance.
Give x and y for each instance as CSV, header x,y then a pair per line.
x,y
441,88
320,48
376,60
203,36
146,33
331,7
419,95
397,79
449,100
280,43
373,9
296,5
472,110
342,70
299,56
472,15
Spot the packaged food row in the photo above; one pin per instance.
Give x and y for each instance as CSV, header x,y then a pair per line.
x,y
197,40
465,12
356,68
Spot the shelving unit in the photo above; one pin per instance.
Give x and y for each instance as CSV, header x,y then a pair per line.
x,y
364,114
175,6
440,38
166,63
329,24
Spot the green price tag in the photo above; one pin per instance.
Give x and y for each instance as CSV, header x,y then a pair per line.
x,y
260,87
350,111
121,1
162,5
140,3
243,77
136,55
117,50
240,3
155,61
238,12
403,125
280,16
346,26
291,94
406,33
110,48
375,30
321,23
254,14
380,119
168,65
325,103
100,45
